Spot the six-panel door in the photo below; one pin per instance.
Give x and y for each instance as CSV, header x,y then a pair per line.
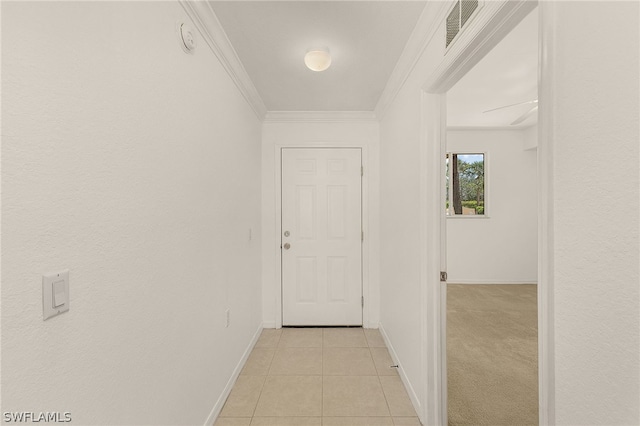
x,y
321,236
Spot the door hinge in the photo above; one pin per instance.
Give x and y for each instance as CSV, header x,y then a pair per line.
x,y
361,170
443,276
362,301
361,235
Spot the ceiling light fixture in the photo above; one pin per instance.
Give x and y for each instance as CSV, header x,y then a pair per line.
x,y
317,59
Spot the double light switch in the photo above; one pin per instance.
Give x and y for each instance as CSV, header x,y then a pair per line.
x,y
55,294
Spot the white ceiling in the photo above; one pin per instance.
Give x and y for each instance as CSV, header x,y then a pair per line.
x,y
365,38
506,75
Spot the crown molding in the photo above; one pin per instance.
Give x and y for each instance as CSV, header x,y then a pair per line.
x,y
319,116
206,21
426,27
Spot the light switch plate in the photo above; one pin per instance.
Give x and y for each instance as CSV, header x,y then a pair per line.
x,y
55,294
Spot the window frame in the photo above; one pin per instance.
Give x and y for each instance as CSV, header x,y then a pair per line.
x,y
487,204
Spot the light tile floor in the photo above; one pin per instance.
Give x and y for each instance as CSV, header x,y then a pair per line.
x,y
318,376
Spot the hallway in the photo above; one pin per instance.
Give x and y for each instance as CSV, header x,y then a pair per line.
x,y
318,376
142,147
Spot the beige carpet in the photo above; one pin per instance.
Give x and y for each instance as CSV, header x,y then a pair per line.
x,y
492,354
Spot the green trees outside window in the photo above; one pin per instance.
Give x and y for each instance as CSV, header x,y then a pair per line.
x,y
465,184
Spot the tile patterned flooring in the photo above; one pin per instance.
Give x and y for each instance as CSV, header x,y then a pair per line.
x,y
318,376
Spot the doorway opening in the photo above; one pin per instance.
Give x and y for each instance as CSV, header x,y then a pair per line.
x,y
495,24
491,222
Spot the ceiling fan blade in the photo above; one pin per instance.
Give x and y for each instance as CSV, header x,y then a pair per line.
x,y
525,116
535,101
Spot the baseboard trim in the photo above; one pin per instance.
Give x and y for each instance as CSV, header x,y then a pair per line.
x,y
215,411
405,380
456,281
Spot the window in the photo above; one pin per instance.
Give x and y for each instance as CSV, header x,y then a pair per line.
x,y
465,182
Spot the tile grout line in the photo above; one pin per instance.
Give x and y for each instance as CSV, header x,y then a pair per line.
x,y
323,347
383,392
265,377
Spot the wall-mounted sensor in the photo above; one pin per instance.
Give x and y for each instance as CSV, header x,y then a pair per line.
x,y
55,294
186,37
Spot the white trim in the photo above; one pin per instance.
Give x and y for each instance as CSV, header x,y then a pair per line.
x,y
319,116
215,411
432,291
441,135
444,382
366,244
473,281
469,216
277,172
546,136
426,27
518,128
206,21
413,396
495,21
480,37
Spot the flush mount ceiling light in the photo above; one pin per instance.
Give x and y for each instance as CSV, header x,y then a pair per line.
x,y
317,59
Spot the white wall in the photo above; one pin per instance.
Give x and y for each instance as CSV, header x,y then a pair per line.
x,y
351,133
596,250
401,130
595,207
530,138
399,235
500,248
137,167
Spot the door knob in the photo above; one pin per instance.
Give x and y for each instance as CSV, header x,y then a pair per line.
x,y
287,246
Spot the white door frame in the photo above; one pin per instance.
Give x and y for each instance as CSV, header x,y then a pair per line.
x,y
432,148
365,222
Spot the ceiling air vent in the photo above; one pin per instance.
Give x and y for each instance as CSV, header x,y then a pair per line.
x,y
458,17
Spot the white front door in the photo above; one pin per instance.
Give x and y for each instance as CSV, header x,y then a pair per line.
x,y
321,236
